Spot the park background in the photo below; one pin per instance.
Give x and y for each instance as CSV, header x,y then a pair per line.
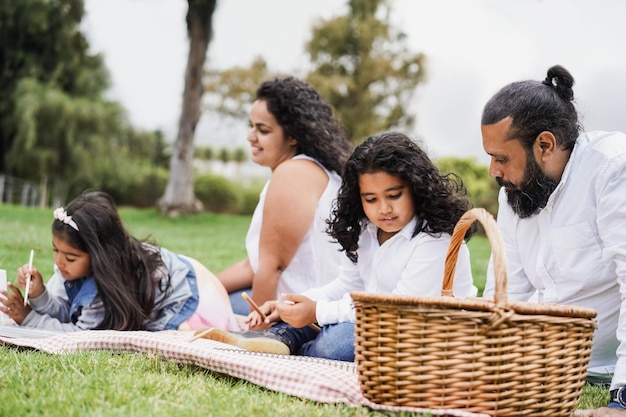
x,y
79,127
473,48
466,50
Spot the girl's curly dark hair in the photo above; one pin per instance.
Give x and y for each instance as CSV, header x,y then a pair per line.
x,y
307,118
122,265
439,200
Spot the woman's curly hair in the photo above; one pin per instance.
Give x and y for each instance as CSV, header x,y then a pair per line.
x,y
307,118
439,200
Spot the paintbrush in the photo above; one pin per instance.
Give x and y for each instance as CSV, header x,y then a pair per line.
x,y
30,268
254,305
201,334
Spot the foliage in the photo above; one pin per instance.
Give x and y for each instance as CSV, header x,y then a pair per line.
x,y
79,142
205,153
231,91
55,125
208,153
360,64
363,67
136,184
41,40
224,155
240,155
481,188
220,195
41,45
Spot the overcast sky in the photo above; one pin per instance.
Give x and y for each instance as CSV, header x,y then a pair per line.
x,y
473,47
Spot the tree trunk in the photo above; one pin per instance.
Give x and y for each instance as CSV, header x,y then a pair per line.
x,y
43,190
179,197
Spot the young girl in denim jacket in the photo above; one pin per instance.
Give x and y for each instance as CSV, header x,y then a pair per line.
x,y
104,278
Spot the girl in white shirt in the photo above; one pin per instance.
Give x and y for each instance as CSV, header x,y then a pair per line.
x,y
293,132
394,217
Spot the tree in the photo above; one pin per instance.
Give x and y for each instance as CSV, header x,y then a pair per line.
x,y
179,196
53,117
230,92
57,136
40,41
363,67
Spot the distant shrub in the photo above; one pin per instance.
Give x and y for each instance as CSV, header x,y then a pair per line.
x,y
250,196
481,188
146,190
221,195
139,186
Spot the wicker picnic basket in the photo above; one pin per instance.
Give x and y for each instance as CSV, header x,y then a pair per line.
x,y
497,357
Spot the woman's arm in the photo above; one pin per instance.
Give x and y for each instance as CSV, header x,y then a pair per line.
x,y
290,204
238,276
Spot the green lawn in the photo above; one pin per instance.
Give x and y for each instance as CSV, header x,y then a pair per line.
x,y
112,384
215,240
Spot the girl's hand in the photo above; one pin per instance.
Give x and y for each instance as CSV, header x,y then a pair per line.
x,y
297,310
13,304
254,320
37,286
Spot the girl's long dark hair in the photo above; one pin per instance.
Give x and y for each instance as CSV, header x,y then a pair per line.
x,y
439,200
123,267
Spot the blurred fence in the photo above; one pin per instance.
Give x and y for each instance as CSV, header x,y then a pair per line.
x,y
18,191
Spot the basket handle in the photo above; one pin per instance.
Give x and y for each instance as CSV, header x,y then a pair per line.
x,y
495,240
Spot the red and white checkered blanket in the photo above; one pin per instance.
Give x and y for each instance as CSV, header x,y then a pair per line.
x,y
324,381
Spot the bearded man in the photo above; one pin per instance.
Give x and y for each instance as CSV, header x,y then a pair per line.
x,y
562,213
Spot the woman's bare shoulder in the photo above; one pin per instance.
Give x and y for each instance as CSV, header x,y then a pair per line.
x,y
302,171
298,178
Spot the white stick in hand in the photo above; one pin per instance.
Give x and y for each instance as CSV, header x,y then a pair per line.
x,y
254,305
30,268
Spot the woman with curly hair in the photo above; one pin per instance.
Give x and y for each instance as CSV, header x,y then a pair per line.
x,y
394,218
294,133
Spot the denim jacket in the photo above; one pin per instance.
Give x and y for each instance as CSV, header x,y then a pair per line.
x,y
76,305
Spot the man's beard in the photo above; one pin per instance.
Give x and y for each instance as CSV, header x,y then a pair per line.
x,y
534,192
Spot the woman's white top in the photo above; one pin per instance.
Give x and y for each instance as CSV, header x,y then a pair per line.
x,y
317,259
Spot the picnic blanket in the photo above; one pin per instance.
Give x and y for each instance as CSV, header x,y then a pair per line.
x,y
320,380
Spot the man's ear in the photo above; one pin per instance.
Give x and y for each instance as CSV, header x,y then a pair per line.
x,y
545,146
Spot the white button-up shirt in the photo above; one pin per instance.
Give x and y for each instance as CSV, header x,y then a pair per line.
x,y
401,265
574,250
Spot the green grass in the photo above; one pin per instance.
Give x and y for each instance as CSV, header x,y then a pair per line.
x,y
127,384
216,240
479,250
